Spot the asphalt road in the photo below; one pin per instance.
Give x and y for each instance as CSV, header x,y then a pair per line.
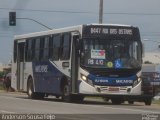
x,y
18,103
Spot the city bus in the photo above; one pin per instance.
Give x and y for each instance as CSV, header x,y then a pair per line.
x,y
84,60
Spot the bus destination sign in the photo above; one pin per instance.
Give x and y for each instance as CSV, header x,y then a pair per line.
x,y
111,31
107,30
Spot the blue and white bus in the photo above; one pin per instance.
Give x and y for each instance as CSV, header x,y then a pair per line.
x,y
74,62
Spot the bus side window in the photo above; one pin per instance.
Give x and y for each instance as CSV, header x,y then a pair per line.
x,y
15,51
65,53
33,49
37,46
42,40
29,50
51,48
26,50
56,47
46,48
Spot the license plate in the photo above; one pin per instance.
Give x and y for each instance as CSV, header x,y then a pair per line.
x,y
113,89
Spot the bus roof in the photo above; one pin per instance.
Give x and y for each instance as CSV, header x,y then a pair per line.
x,y
48,32
77,28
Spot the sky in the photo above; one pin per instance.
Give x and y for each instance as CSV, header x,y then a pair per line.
x,y
144,14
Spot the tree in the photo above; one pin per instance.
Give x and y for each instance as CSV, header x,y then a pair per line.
x,y
2,73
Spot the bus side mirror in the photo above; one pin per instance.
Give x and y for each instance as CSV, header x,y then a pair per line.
x,y
77,41
79,44
82,54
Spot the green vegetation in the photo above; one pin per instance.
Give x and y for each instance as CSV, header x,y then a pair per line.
x,y
2,73
156,102
1,87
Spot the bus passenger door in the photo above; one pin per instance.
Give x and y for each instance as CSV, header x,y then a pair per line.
x,y
20,65
74,64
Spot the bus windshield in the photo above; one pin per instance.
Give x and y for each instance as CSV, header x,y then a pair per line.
x,y
111,53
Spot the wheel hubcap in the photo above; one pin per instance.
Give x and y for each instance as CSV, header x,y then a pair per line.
x,y
30,91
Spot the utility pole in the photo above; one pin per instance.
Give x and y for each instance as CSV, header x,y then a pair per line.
x,y
101,12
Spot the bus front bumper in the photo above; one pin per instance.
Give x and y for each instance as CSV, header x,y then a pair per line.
x,y
85,88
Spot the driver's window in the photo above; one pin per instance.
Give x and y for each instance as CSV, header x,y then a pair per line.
x,y
135,50
135,45
118,47
139,52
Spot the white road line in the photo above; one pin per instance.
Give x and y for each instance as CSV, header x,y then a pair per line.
x,y
7,112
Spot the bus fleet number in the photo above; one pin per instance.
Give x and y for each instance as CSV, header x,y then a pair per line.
x,y
95,62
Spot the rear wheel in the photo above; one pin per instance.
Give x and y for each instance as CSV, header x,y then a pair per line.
x,y
40,95
148,101
31,93
67,97
57,96
77,98
30,88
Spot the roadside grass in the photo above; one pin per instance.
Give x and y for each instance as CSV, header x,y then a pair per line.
x,y
156,102
1,87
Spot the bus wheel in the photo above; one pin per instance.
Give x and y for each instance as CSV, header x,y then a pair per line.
x,y
148,101
65,93
57,96
40,95
30,89
77,98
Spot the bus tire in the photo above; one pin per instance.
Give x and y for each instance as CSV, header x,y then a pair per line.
x,y
40,95
66,94
148,102
77,98
30,89
57,96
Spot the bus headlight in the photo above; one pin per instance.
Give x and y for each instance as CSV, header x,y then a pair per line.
x,y
83,77
139,79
